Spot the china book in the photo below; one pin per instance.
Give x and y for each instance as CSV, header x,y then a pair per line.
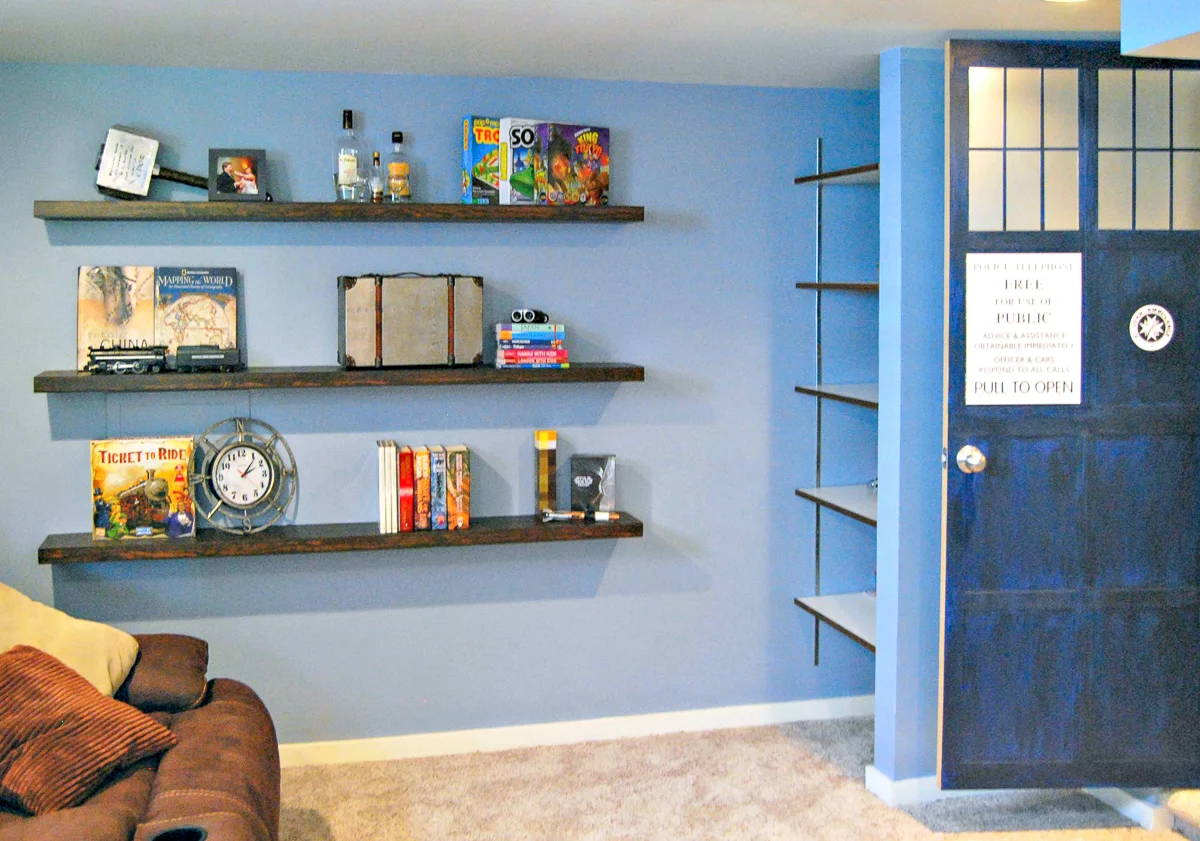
x,y
140,488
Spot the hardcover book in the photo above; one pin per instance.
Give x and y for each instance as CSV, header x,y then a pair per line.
x,y
407,512
593,482
421,520
458,487
139,306
195,307
115,307
140,488
437,487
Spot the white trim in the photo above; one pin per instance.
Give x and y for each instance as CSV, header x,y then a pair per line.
x,y
570,732
1151,816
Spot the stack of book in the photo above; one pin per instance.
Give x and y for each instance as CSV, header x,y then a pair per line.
x,y
531,346
423,488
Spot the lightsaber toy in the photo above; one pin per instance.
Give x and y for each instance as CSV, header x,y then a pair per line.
x,y
586,516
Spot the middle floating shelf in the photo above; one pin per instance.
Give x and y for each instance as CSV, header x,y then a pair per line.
x,y
332,376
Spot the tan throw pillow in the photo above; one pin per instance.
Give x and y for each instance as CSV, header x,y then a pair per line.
x,y
101,653
59,737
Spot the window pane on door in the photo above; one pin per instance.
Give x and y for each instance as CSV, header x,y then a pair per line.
x,y
1186,94
1023,109
985,205
1115,180
1061,94
1023,191
985,107
1187,191
1152,108
1062,190
1153,191
1116,109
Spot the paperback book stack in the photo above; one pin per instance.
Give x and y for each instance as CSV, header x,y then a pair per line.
x,y
423,488
531,346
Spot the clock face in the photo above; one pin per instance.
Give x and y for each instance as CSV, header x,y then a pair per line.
x,y
242,475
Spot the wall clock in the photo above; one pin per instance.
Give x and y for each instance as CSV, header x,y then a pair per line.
x,y
244,476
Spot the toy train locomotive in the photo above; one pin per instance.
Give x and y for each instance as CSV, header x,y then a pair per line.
x,y
152,359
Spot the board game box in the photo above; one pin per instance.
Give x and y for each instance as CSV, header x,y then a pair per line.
x,y
481,160
573,166
518,151
140,488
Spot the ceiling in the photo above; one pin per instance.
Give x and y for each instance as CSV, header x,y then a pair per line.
x,y
775,43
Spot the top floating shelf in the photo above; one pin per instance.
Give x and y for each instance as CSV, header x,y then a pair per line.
x,y
865,174
205,211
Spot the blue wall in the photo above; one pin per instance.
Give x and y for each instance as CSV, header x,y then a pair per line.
x,y
912,150
696,614
1146,24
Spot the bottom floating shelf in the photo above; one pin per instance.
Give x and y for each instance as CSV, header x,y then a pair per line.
x,y
328,537
851,613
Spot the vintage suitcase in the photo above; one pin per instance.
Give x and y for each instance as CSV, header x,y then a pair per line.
x,y
409,319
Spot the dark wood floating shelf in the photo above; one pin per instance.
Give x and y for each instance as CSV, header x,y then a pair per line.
x,y
333,376
332,537
856,394
839,285
204,211
865,174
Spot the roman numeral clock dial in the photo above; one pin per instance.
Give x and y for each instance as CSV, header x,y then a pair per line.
x,y
245,477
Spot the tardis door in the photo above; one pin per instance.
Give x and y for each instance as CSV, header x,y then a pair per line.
x,y
1071,586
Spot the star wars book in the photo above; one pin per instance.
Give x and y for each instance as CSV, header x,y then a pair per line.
x,y
140,488
593,482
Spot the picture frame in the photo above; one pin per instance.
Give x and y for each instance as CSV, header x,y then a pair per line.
x,y
237,175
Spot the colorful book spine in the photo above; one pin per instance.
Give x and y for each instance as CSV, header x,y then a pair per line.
x,y
545,444
502,364
437,487
382,488
458,487
407,512
421,501
549,355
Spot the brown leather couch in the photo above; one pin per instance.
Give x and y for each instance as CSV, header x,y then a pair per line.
x,y
220,782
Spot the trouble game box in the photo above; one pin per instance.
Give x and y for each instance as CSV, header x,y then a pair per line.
x,y
481,160
574,164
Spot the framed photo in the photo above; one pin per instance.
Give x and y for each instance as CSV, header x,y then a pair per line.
x,y
237,175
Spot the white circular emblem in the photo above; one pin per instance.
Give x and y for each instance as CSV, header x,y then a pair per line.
x,y
1152,327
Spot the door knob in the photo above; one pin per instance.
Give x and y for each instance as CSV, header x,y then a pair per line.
x,y
971,460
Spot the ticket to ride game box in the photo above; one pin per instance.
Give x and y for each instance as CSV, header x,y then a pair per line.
x,y
574,164
481,160
140,488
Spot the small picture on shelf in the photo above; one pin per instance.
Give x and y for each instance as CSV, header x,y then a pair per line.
x,y
237,175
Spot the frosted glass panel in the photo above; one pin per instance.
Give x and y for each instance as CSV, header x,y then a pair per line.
x,y
985,106
1187,190
1062,191
1115,176
1024,192
1187,108
1153,109
985,191
1116,109
1153,191
1024,109
1062,108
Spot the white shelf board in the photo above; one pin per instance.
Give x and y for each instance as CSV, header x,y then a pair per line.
x,y
860,394
851,613
857,501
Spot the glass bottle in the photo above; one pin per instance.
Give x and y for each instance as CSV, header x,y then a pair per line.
x,y
399,182
347,162
377,181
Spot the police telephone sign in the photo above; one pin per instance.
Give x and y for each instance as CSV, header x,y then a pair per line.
x,y
1024,327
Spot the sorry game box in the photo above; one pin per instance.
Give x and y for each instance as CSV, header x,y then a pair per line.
x,y
574,164
518,160
140,488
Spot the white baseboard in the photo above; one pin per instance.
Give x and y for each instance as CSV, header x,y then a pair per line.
x,y
1151,816
915,790
570,732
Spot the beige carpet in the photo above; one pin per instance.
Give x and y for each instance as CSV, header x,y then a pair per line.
x,y
765,783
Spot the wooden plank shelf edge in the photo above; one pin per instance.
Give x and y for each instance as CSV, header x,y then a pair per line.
x,y
331,376
852,614
856,394
839,285
80,548
204,211
854,175
858,502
